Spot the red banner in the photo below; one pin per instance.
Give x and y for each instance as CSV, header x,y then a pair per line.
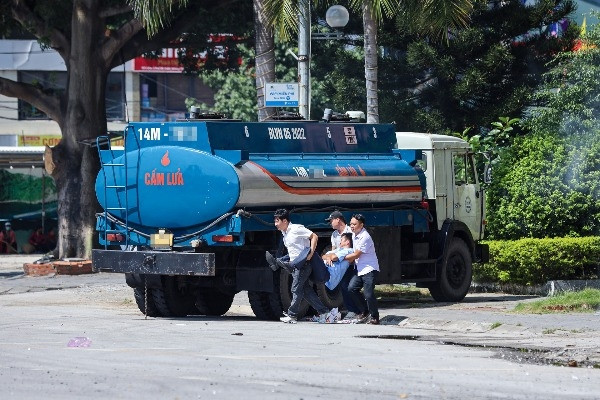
x,y
166,62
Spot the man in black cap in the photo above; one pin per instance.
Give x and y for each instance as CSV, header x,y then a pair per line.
x,y
338,223
8,240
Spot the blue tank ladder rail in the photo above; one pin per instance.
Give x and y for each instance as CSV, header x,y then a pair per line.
x,y
100,140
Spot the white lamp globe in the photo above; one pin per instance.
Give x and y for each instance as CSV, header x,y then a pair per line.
x,y
337,16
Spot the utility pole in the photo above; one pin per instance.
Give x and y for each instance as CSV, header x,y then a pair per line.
x,y
304,58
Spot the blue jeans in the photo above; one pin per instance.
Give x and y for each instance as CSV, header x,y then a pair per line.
x,y
348,299
367,283
301,289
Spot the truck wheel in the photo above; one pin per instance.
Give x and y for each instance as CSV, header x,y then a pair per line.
x,y
266,305
330,298
270,306
213,302
285,290
140,300
455,274
172,300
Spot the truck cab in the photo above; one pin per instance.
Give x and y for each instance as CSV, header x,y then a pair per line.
x,y
452,182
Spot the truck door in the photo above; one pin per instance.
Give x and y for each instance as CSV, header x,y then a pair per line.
x,y
467,196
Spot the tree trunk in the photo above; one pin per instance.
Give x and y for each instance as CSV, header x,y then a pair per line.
x,y
265,59
75,164
370,48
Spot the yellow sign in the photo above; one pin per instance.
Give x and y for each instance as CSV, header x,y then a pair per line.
x,y
39,140
53,140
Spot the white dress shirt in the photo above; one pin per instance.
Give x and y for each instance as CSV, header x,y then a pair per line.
x,y
296,238
367,261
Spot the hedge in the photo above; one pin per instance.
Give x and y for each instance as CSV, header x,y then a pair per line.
x,y
536,261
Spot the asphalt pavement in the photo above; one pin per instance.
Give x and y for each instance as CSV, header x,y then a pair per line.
x,y
481,320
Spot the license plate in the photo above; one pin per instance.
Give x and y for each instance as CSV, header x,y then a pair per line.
x,y
161,240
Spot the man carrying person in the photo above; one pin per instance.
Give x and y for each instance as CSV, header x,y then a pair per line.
x,y
367,267
301,244
338,223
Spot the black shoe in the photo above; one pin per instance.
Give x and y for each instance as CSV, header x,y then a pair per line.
x,y
272,261
285,265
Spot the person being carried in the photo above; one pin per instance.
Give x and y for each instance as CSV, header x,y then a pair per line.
x,y
301,244
8,240
367,266
339,225
335,261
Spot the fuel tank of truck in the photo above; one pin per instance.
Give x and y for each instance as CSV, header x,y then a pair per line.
x,y
185,183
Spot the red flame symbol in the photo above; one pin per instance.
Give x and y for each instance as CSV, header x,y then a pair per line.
x,y
165,159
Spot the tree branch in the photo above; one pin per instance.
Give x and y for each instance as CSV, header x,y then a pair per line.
x,y
139,43
50,104
112,11
117,40
27,18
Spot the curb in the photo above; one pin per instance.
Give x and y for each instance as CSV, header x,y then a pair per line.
x,y
550,288
78,267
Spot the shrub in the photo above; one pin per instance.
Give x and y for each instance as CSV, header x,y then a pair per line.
x,y
536,261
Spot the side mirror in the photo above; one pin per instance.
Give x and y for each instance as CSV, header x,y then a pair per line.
x,y
487,174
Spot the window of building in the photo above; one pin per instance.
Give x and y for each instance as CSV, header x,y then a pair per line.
x,y
52,82
115,96
55,82
163,96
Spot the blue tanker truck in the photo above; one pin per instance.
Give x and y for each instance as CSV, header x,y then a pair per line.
x,y
188,208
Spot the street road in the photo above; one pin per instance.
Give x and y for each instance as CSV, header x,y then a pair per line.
x,y
238,356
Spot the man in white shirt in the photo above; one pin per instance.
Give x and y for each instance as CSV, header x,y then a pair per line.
x,y
338,223
367,267
297,239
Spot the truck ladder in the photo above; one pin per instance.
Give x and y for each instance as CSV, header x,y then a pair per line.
x,y
110,165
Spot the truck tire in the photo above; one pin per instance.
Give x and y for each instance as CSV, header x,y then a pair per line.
x,y
171,300
267,305
455,274
270,306
213,302
330,298
140,300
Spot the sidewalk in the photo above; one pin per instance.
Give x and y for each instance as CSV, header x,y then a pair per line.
x,y
486,320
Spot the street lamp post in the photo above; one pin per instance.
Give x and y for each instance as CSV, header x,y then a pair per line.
x,y
337,17
304,58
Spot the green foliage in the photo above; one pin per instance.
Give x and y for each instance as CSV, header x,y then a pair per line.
x,y
488,69
587,300
535,261
547,184
235,92
494,140
155,14
544,186
23,187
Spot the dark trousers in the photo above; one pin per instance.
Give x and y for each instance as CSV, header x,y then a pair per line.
x,y
302,289
367,283
348,299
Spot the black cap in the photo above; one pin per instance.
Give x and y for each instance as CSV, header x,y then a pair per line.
x,y
335,214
